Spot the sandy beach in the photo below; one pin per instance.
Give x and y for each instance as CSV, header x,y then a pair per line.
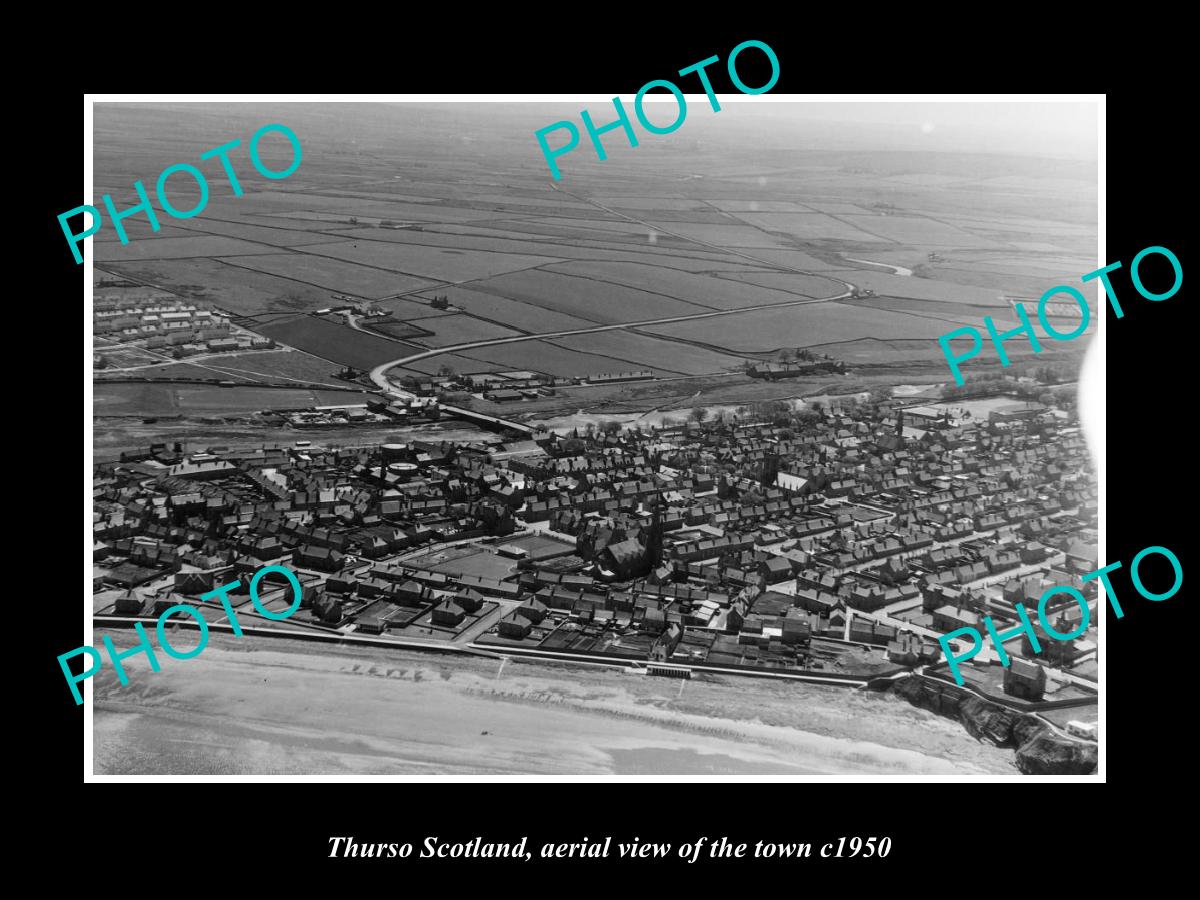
x,y
286,707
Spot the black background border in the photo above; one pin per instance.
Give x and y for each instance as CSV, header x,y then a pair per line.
x,y
931,824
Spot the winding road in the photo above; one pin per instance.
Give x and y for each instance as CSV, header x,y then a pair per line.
x,y
379,376
379,373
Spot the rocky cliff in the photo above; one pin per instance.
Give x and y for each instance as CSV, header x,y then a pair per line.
x,y
1040,751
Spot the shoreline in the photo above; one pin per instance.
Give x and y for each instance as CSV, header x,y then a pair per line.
x,y
253,710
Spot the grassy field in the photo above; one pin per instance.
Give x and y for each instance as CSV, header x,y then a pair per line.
x,y
434,263
460,329
595,301
678,357
203,400
277,365
556,359
170,246
338,343
806,326
707,289
523,317
518,254
333,275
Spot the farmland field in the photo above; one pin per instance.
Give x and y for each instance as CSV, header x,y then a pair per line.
x,y
707,289
726,235
805,326
204,400
547,356
333,275
165,247
275,365
399,203
235,288
338,343
460,329
642,349
585,298
918,231
812,226
436,263
523,317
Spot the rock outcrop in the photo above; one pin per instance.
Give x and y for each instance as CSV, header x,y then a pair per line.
x,y
1039,750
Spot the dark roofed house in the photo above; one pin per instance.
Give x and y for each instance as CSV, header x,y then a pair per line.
x,y
194,583
515,625
412,593
796,627
130,603
950,618
129,575
533,609
328,609
625,559
654,619
776,569
1026,680
469,601
323,559
447,614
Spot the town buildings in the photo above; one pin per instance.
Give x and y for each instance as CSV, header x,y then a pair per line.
x,y
837,544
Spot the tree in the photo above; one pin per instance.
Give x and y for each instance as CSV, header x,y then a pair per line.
x,y
698,414
445,371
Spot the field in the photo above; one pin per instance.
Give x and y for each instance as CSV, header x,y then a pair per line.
x,y
398,205
523,317
461,329
279,366
338,343
807,326
466,561
436,263
596,301
673,355
717,292
333,275
152,399
552,357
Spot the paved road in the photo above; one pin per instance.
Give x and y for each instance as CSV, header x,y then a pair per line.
x,y
379,376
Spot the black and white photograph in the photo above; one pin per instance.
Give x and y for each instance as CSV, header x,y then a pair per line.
x,y
687,434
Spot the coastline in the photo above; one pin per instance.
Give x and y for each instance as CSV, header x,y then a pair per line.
x,y
245,709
